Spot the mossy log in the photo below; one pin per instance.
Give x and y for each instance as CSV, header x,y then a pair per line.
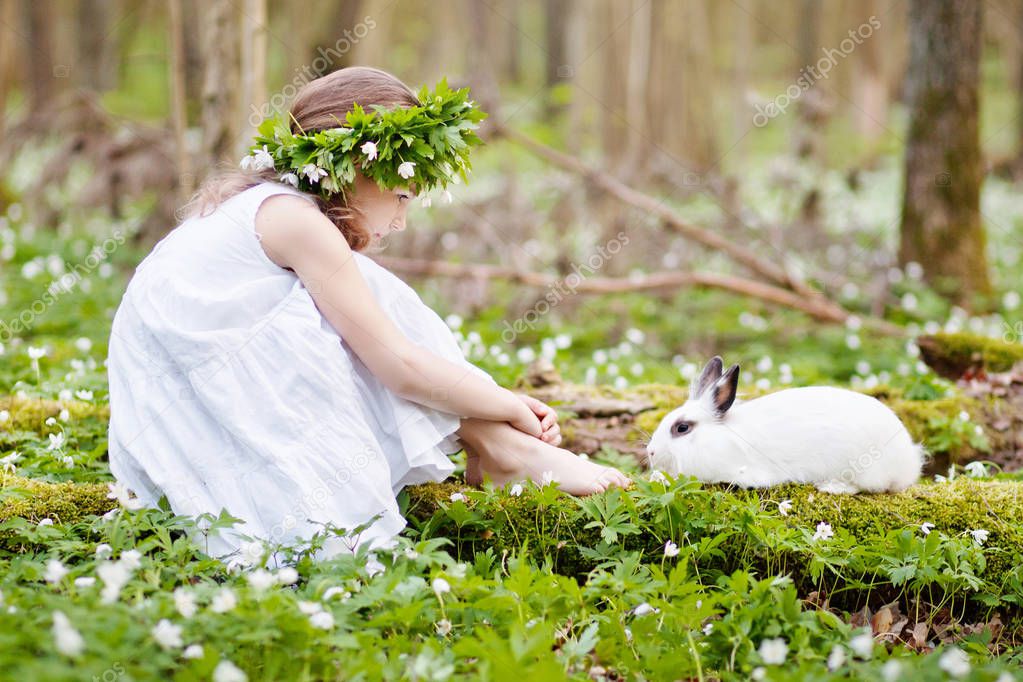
x,y
958,355
961,505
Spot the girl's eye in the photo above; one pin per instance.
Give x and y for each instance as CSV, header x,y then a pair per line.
x,y
681,428
404,197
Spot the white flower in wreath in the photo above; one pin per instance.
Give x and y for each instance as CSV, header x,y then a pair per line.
x,y
290,178
369,149
258,160
407,169
313,172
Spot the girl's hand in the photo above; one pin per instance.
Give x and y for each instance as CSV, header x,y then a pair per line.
x,y
524,420
550,429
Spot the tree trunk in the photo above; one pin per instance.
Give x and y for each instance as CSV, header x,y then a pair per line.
x,y
941,221
95,45
557,68
39,49
870,88
220,78
253,100
179,98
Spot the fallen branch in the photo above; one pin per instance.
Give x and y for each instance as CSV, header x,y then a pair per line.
x,y
817,307
741,254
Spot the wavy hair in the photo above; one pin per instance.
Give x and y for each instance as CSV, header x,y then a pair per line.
x,y
317,106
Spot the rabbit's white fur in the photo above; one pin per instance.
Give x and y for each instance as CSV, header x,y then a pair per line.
x,y
839,440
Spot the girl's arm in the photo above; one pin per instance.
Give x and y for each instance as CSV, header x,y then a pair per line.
x,y
296,235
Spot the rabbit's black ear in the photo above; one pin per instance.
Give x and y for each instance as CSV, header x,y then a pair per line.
x,y
710,374
724,390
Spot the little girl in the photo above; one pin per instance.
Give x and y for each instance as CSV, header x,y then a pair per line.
x,y
260,363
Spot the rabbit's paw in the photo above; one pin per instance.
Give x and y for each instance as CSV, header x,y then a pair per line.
x,y
837,488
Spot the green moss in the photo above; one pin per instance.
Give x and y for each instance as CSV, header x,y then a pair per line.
x,y
35,500
554,532
953,354
29,414
925,419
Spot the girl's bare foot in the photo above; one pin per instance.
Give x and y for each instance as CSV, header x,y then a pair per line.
x,y
505,454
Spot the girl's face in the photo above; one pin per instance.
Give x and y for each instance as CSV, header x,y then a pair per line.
x,y
379,211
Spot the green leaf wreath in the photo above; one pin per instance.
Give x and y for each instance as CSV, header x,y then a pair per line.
x,y
422,146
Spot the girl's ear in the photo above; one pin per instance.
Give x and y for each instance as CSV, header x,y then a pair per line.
x,y
725,389
710,374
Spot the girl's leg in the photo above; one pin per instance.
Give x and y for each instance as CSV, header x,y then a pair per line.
x,y
503,453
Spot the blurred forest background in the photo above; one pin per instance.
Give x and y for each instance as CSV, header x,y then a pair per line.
x,y
741,174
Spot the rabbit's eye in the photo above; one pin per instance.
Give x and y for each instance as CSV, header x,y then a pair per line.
x,y
681,428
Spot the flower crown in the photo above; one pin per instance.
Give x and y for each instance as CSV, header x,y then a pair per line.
x,y
426,146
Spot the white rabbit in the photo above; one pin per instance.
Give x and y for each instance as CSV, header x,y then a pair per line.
x,y
839,440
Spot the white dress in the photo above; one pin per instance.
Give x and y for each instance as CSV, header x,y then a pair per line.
x,y
229,389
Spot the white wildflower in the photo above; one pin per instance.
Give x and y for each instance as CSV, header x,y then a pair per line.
x,y
657,476
516,490
223,601
407,169
83,394
261,579
670,549
862,644
926,528
369,149
824,531
290,178
443,627
774,651
955,662
287,576
457,497
441,586
226,671
784,507
310,607
68,640
192,651
313,172
643,609
979,535
118,491
103,550
167,634
184,601
322,620
976,469
132,558
836,659
55,571
36,353
891,670
547,478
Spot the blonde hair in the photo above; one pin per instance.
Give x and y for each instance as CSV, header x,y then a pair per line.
x,y
319,105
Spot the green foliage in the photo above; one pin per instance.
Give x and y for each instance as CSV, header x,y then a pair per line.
x,y
424,146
